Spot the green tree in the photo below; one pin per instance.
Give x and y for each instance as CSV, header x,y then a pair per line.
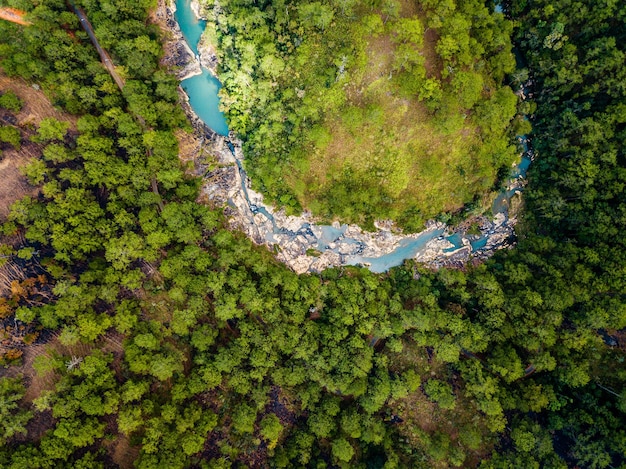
x,y
271,429
342,450
441,393
51,129
11,136
10,101
244,418
13,417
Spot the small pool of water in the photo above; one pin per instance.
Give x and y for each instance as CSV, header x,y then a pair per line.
x,y
502,201
479,243
329,235
190,26
457,242
202,91
522,167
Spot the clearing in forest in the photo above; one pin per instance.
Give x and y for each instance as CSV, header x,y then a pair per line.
x,y
361,113
36,107
392,148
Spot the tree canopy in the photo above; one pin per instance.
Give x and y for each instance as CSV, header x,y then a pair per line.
x,y
166,340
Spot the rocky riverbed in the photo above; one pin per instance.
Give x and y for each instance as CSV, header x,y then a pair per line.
x,y
300,241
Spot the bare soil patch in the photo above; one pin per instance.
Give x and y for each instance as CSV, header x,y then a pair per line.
x,y
433,63
408,8
36,107
11,270
37,383
13,184
123,453
379,58
14,15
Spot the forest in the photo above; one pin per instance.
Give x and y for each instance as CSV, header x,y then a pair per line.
x,y
144,333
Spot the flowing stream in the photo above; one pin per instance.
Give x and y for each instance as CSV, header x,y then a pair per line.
x,y
350,246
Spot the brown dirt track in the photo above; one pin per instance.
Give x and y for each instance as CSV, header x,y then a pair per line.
x,y
13,15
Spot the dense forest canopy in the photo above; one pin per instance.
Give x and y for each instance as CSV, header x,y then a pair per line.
x,y
370,109
146,334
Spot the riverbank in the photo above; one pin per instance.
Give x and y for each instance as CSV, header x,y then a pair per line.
x,y
299,241
178,56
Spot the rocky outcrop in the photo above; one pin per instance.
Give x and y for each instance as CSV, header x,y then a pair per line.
x,y
177,56
197,9
306,246
208,57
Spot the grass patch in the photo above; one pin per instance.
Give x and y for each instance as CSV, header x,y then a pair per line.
x,y
386,155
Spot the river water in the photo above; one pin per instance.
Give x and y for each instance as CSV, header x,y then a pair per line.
x,y
203,95
202,91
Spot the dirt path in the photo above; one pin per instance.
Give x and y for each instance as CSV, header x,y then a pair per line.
x,y
13,15
104,56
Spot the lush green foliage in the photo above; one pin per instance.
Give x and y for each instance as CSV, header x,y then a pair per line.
x,y
182,340
11,136
12,418
368,110
10,101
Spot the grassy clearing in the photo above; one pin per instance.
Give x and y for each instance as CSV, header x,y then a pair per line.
x,y
390,112
384,154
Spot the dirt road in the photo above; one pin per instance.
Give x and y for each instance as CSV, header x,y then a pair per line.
x,y
14,15
104,56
